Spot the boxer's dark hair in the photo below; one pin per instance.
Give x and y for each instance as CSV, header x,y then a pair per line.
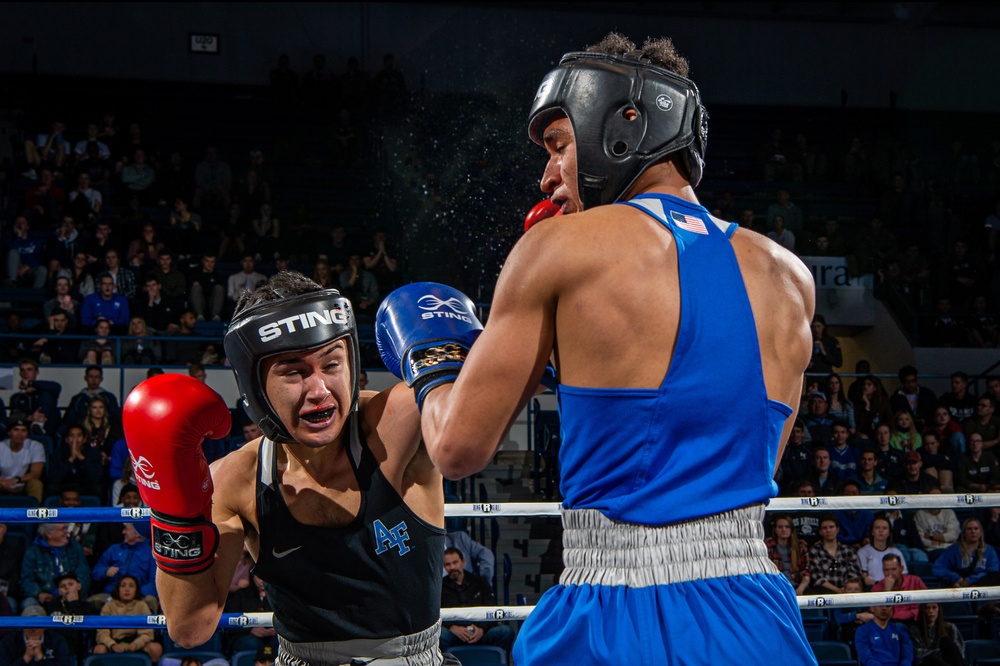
x,y
660,51
281,286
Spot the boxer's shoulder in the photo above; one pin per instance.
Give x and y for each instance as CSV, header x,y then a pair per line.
x,y
234,475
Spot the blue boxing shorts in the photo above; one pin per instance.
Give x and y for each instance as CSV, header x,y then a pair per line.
x,y
702,592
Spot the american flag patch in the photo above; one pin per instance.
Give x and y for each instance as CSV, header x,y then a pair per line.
x,y
689,223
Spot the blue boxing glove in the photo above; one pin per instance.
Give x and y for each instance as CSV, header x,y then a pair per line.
x,y
424,332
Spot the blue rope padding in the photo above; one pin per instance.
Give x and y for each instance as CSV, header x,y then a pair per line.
x,y
103,514
227,621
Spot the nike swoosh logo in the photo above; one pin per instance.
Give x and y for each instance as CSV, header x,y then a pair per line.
x,y
284,553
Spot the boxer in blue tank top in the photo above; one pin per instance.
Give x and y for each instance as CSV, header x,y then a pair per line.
x,y
654,315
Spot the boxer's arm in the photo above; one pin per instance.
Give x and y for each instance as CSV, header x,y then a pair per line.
x,y
194,603
464,423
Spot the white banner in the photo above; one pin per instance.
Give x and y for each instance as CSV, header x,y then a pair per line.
x,y
842,299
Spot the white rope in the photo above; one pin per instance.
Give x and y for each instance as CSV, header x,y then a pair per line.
x,y
872,502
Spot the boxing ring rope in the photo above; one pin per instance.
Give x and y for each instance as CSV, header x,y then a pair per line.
x,y
508,509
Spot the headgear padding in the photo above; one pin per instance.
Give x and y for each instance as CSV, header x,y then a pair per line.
x,y
595,91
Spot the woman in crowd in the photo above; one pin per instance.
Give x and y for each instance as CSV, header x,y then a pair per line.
x,y
839,406
879,545
871,408
144,250
75,462
948,430
144,350
937,461
935,641
324,277
124,601
789,553
970,562
101,349
99,428
81,281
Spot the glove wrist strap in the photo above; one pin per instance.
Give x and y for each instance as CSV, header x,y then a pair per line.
x,y
183,545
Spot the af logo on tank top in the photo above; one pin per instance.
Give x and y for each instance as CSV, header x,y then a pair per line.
x,y
394,537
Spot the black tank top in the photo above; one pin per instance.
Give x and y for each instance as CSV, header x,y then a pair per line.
x,y
377,577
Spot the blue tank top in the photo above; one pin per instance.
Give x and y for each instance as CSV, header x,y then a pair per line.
x,y
707,439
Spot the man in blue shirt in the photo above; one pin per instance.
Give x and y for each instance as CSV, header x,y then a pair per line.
x,y
105,304
132,557
882,642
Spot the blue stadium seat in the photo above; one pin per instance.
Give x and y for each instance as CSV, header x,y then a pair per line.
x,y
832,653
480,655
978,651
213,646
122,659
244,658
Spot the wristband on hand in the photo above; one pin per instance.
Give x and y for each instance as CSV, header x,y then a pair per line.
x,y
433,364
183,546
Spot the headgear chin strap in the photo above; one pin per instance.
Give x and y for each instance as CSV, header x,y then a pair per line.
x,y
595,91
299,323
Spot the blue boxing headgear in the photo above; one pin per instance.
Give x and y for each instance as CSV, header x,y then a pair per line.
x,y
595,91
301,322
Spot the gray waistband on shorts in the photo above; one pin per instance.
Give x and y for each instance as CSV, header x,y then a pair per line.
x,y
419,649
601,551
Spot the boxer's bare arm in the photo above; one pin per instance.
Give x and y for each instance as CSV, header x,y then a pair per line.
x,y
464,423
392,424
193,604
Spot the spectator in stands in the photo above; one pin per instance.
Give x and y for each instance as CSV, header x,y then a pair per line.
x,y
840,407
70,498
985,422
389,87
159,310
915,272
797,459
807,164
69,603
183,231
98,168
789,553
138,177
49,148
895,579
252,190
101,349
24,256
945,327
36,399
246,280
85,203
101,429
50,554
22,461
936,642
805,523
143,252
207,291
947,430
963,273
898,204
266,232
250,599
181,349
904,532
319,85
843,456
915,480
855,524
981,326
918,400
132,556
789,211
991,528
905,436
73,462
105,304
380,260
213,181
875,244
338,251
232,234
462,588
324,277
53,347
849,619
79,404
824,480
11,554
773,158
882,642
172,281
347,142
93,132
781,234
62,245
826,349
143,349
354,85
125,283
978,469
62,302
818,421
831,563
37,646
868,479
125,601
872,554
100,241
284,81
937,462
969,562
938,529
82,283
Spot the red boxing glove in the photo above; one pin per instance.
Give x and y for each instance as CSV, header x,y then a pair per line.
x,y
541,210
166,418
